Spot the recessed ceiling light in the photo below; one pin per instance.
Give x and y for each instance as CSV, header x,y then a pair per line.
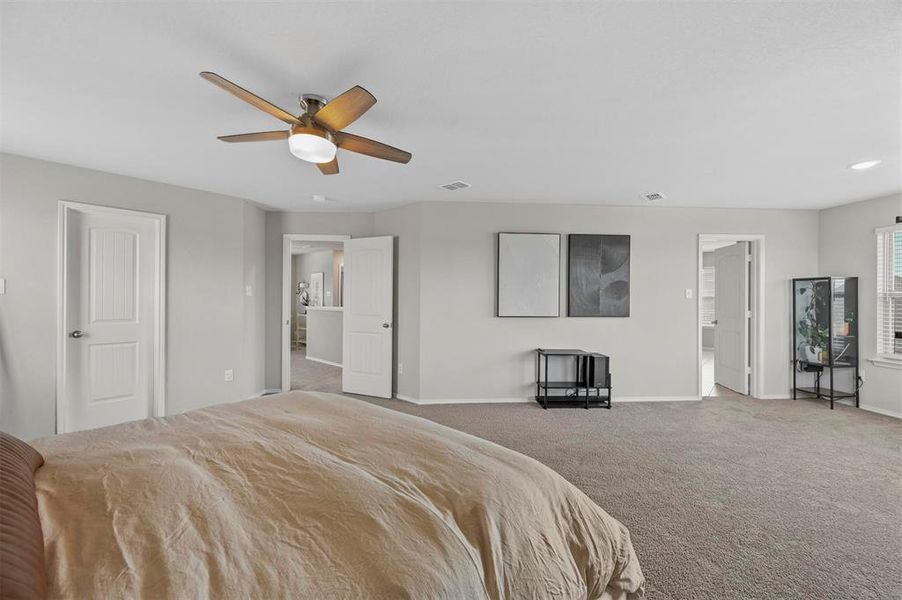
x,y
864,165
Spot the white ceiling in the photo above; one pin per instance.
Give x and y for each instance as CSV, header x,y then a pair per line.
x,y
714,104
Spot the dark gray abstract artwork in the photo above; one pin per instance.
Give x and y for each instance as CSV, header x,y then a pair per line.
x,y
599,276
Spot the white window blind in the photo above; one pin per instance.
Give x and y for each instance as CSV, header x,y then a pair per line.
x,y
707,295
889,292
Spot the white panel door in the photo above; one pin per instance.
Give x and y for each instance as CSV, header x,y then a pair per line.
x,y
368,307
731,315
108,341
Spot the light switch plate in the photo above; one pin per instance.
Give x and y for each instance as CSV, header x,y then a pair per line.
x,y
689,293
2,285
248,290
229,375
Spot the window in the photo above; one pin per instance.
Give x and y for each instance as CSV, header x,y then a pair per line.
x,y
889,292
707,295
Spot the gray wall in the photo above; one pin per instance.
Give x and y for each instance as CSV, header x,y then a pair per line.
x,y
251,377
848,247
405,225
278,224
324,334
214,248
468,353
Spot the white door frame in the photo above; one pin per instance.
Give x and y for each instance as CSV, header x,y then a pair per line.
x,y
288,294
159,297
756,290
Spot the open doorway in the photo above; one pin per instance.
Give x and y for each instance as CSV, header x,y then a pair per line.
x,y
339,329
730,314
313,289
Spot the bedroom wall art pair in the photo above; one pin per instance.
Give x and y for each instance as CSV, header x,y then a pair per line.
x,y
529,275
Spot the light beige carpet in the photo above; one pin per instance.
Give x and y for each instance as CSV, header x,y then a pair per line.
x,y
730,498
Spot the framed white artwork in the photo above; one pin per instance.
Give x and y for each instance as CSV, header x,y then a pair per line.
x,y
529,275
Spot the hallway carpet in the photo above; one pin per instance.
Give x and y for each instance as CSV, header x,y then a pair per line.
x,y
313,376
729,498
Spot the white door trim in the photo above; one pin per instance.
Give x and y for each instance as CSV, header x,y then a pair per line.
x,y
288,293
756,330
159,295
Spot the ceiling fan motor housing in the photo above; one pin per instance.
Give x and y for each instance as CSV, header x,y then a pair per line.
x,y
312,103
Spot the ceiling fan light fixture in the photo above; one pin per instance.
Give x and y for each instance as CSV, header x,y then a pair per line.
x,y
312,144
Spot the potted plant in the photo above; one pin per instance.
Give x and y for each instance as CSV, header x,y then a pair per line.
x,y
846,327
815,338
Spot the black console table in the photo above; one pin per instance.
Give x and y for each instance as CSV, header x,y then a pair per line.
x,y
592,373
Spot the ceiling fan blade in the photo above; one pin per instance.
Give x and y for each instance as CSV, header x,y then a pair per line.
x,y
249,97
262,136
363,145
345,109
329,168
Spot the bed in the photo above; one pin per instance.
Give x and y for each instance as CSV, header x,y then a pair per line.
x,y
315,495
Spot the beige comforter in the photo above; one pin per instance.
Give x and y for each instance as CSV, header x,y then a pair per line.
x,y
320,496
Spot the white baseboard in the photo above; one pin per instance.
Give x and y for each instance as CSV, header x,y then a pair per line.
x,y
881,411
843,401
423,401
325,362
656,399
787,396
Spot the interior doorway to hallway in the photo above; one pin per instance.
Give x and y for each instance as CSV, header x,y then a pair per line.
x,y
730,314
338,313
313,286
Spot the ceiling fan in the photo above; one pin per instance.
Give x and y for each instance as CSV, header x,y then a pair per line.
x,y
315,134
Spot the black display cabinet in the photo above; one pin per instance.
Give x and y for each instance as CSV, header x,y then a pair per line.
x,y
825,338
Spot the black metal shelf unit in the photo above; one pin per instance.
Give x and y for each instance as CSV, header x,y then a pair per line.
x,y
825,337
592,373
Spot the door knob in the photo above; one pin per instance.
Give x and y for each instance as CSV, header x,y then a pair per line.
x,y
714,322
77,334
386,325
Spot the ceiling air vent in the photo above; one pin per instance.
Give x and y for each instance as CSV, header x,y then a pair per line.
x,y
654,196
455,185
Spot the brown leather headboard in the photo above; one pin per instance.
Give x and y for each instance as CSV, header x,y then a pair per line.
x,y
22,574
